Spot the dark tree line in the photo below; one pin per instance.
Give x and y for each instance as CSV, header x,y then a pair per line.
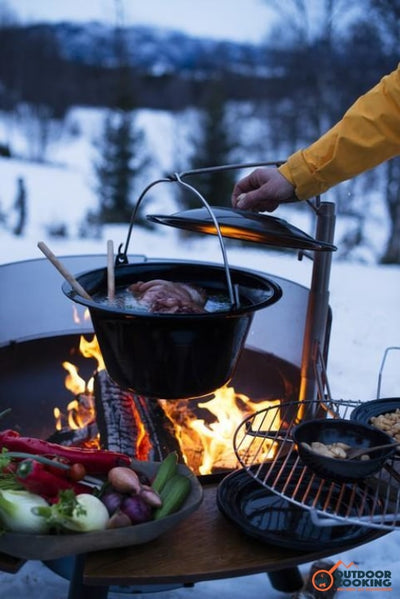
x,y
306,78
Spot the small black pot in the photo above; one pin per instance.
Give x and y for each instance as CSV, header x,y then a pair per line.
x,y
354,434
174,356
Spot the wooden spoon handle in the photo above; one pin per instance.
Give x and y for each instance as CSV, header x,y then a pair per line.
x,y
65,273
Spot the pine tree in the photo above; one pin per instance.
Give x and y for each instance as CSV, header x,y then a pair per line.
x,y
121,147
213,146
121,158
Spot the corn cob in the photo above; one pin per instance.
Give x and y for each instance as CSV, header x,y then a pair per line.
x,y
173,495
166,470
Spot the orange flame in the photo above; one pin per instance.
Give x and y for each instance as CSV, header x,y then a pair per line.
x,y
73,382
81,410
212,436
91,349
204,431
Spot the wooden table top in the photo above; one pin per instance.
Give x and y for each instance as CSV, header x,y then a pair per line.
x,y
205,546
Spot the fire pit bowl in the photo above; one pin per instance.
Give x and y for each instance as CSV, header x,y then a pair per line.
x,y
174,356
353,434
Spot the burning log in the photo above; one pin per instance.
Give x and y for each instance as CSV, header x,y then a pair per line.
x,y
75,437
80,428
131,424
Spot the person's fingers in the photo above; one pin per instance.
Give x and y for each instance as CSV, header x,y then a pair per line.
x,y
263,190
251,182
242,187
256,202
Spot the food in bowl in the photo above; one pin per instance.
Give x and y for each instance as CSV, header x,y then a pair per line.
x,y
333,431
388,422
336,450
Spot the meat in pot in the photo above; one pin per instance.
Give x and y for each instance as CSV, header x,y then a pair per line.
x,y
169,297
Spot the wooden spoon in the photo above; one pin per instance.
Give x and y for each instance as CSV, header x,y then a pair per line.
x,y
354,453
62,269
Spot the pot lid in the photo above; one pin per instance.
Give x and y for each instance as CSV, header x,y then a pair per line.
x,y
243,225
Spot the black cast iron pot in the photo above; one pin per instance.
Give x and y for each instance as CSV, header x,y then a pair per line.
x,y
174,356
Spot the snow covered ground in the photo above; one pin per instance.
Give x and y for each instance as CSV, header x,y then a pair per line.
x,y
366,320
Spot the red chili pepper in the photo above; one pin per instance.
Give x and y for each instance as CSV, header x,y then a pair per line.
x,y
56,468
96,461
70,471
37,479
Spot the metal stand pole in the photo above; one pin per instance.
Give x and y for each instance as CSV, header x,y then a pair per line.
x,y
318,304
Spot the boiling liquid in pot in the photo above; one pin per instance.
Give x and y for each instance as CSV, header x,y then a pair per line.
x,y
126,301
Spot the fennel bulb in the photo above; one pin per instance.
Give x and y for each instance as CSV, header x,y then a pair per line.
x,y
17,512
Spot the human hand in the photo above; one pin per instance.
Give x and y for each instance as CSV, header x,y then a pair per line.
x,y
263,190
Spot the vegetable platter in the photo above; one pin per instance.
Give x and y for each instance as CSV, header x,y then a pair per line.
x,y
57,501
53,546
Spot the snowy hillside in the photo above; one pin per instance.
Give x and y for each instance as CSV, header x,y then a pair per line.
x,y
364,298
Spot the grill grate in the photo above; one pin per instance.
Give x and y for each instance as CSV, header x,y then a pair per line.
x,y
264,447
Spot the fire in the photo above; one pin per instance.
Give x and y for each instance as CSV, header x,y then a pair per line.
x,y
77,318
213,436
91,349
204,429
73,382
80,413
81,410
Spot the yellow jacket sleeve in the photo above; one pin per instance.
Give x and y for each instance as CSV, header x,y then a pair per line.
x,y
367,135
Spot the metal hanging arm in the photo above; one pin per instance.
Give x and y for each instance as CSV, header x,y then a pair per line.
x,y
121,257
228,167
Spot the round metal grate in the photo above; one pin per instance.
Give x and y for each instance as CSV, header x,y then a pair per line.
x,y
265,449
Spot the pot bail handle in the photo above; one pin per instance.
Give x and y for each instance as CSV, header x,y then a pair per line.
x,y
232,291
122,258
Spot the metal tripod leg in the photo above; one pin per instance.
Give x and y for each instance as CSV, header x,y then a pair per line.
x,y
287,580
77,589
